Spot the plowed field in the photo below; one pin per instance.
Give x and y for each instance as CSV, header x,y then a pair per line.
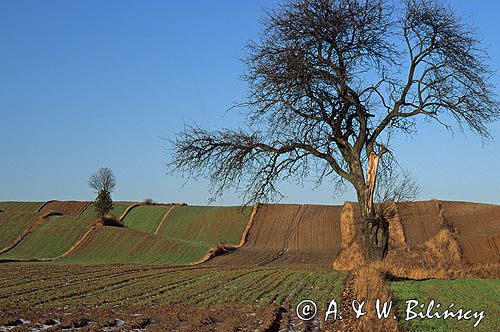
x,y
420,221
478,226
287,235
58,286
188,298
68,208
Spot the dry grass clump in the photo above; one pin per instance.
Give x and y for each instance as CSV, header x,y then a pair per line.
x,y
110,220
218,250
352,251
439,257
51,213
397,237
370,284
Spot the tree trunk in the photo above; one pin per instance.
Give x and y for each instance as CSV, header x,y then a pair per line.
x,y
375,227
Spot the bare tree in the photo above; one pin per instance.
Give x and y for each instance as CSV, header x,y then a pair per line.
x,y
331,82
103,183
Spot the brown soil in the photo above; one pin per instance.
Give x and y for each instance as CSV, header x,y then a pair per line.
x,y
157,318
68,208
478,229
420,221
287,235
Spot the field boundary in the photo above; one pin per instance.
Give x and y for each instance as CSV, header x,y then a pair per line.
x,y
22,236
43,205
219,248
249,225
78,242
124,214
162,221
83,209
70,250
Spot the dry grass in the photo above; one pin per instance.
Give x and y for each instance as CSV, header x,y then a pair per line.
x,y
352,250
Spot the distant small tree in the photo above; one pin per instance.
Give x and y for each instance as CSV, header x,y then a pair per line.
x,y
149,201
103,183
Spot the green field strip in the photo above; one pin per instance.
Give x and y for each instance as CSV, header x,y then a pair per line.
x,y
469,294
138,287
183,285
51,239
145,218
187,293
117,210
195,295
77,294
41,285
29,275
124,245
61,286
231,291
13,225
84,209
151,292
207,224
321,286
20,206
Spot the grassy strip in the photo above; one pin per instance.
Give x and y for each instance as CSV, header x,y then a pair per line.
x,y
13,225
122,245
469,294
20,206
117,211
54,237
207,224
145,218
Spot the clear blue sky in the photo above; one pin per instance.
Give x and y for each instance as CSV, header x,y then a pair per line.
x,y
85,84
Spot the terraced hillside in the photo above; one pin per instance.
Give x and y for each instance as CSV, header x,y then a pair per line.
x,y
478,226
146,218
51,239
124,245
285,235
299,235
68,208
20,206
206,224
117,210
13,225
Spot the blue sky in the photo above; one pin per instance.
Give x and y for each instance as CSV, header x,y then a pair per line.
x,y
85,84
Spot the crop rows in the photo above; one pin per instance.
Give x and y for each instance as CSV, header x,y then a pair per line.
x,y
51,239
13,225
206,224
121,245
20,206
117,211
145,218
106,285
